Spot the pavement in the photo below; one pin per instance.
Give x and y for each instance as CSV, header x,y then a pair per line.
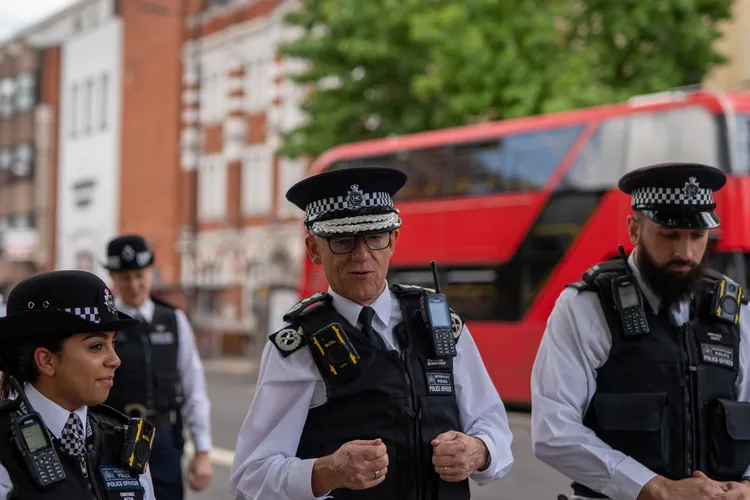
x,y
231,385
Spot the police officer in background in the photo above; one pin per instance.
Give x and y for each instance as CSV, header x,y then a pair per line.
x,y
352,396
161,377
640,387
57,342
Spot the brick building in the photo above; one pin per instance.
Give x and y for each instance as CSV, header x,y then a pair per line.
x,y
28,107
242,251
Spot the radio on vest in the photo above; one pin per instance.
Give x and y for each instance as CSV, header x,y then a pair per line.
x,y
35,444
437,318
629,300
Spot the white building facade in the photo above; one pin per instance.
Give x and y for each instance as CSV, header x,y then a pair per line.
x,y
234,81
89,137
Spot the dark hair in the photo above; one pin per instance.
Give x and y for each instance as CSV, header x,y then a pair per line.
x,y
18,361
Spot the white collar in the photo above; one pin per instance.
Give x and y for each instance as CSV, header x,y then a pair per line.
x,y
350,310
54,415
146,310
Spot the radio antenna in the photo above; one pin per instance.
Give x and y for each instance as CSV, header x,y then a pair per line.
x,y
433,265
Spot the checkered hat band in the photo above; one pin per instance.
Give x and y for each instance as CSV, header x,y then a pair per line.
x,y
650,196
90,314
320,207
359,223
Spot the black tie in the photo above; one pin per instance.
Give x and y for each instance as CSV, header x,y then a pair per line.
x,y
365,319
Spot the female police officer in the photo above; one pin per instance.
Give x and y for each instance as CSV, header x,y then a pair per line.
x,y
57,343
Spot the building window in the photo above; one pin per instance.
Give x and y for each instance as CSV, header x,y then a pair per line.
x,y
6,159
257,181
7,90
83,192
23,160
26,91
88,108
256,83
103,93
212,187
73,109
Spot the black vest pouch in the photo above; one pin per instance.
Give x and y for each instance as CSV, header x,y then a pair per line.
x,y
635,424
728,443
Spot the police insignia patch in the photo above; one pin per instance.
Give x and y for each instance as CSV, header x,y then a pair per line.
x,y
457,324
287,340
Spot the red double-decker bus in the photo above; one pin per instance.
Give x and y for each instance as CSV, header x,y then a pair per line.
x,y
513,210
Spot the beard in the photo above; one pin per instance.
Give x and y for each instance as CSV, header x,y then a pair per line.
x,y
670,286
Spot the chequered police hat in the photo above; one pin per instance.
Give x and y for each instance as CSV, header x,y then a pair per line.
x,y
61,303
349,201
676,195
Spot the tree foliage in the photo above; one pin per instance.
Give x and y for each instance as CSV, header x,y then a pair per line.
x,y
384,67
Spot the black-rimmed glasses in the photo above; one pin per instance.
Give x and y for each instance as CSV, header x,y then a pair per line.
x,y
345,244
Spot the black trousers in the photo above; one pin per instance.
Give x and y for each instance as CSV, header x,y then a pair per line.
x,y
166,466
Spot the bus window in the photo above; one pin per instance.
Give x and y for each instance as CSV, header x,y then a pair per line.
x,y
600,165
689,134
743,139
516,162
475,293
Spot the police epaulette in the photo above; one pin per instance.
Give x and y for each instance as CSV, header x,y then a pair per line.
x,y
288,340
457,325
108,414
410,289
298,308
603,267
579,285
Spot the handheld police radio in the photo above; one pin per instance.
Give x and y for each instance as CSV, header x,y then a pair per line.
x,y
35,444
628,301
437,318
136,450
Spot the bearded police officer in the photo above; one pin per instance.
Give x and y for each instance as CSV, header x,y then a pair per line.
x,y
640,385
356,396
161,377
58,361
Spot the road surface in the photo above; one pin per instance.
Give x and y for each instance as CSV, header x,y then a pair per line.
x,y
231,389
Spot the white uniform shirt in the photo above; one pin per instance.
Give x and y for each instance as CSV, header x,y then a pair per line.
x,y
563,381
265,465
196,408
54,418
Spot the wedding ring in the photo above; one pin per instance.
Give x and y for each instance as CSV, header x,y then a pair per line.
x,y
444,469
377,474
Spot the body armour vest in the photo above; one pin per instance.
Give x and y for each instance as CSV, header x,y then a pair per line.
x,y
668,398
148,376
406,398
108,480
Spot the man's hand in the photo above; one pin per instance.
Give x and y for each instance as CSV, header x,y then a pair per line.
x,y
356,465
698,487
455,455
735,491
200,471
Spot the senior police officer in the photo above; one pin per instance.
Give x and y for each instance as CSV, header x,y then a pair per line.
x,y
57,345
353,398
640,385
161,377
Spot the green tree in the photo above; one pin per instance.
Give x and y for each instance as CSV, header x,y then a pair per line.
x,y
384,67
